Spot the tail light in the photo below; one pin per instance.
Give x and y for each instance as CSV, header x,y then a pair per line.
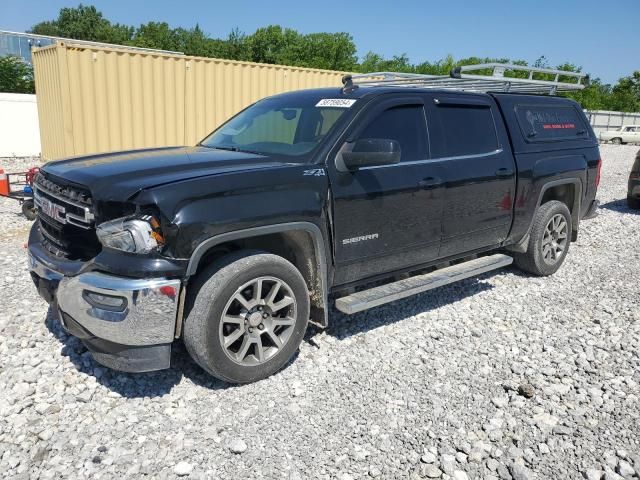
x,y
598,169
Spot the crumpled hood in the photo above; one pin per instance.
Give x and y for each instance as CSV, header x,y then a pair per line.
x,y
120,175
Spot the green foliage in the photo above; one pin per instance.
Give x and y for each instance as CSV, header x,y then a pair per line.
x,y
626,94
84,23
334,51
15,76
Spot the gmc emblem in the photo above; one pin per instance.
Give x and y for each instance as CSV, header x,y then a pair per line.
x,y
50,209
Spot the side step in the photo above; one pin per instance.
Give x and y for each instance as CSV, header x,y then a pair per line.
x,y
390,292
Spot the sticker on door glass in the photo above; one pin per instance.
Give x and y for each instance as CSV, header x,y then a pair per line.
x,y
336,102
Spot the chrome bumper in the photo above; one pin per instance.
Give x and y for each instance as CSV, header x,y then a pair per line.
x,y
127,324
146,314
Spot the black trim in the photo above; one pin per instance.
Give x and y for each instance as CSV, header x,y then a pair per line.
x,y
311,228
592,212
125,358
577,201
46,288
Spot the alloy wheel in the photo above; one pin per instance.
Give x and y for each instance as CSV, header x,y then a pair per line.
x,y
258,321
554,241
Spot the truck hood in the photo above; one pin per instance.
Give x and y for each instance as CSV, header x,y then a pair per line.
x,y
120,175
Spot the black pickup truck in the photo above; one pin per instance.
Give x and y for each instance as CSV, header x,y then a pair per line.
x,y
351,197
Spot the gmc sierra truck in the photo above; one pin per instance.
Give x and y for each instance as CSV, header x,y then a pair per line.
x,y
349,197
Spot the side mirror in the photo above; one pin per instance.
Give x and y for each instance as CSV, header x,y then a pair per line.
x,y
369,152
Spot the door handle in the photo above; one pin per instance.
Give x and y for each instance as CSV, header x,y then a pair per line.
x,y
430,182
504,172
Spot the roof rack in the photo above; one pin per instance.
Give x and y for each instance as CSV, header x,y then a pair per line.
x,y
473,78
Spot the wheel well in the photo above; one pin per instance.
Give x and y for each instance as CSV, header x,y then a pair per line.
x,y
565,193
297,246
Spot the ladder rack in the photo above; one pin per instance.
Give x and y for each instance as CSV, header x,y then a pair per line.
x,y
471,78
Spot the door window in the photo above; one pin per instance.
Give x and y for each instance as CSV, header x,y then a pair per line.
x,y
405,124
463,130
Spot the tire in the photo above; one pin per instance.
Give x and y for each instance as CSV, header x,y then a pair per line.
x,y
217,291
633,203
543,256
29,209
616,141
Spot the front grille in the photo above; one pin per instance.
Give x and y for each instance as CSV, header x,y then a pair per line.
x,y
66,220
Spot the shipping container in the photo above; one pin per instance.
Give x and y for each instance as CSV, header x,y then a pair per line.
x,y
94,99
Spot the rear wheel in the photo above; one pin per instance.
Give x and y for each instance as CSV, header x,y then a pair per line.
x,y
247,316
549,240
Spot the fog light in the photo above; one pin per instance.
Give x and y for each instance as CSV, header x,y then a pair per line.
x,y
106,302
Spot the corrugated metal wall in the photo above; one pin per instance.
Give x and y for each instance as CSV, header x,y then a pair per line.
x,y
603,120
49,98
94,99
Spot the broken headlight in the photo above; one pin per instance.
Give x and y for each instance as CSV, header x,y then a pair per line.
x,y
135,235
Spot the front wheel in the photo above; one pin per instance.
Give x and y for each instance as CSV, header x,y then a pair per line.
x,y
248,313
29,209
633,203
616,141
549,240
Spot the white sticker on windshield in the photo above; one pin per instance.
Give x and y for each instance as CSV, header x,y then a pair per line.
x,y
336,102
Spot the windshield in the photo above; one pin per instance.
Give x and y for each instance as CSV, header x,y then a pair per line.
x,y
283,125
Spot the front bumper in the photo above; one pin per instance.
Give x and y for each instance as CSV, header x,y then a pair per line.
x,y
127,324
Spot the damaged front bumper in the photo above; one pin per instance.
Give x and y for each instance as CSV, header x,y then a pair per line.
x,y
127,324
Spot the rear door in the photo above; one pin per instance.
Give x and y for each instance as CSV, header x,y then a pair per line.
x,y
467,135
387,218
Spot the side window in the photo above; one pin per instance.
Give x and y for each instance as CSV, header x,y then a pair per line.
x,y
406,125
461,129
543,123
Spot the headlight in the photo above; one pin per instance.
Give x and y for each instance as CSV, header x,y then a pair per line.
x,y
136,235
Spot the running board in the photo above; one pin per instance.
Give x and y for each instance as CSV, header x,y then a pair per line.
x,y
390,292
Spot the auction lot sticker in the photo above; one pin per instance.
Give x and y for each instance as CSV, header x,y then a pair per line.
x,y
336,102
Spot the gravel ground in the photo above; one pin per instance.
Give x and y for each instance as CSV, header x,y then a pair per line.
x,y
504,376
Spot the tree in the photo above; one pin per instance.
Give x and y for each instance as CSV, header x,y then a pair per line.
x,y
235,47
15,76
275,44
332,51
626,94
156,35
372,62
194,42
269,44
84,23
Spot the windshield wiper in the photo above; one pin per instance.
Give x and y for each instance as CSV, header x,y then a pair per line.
x,y
233,149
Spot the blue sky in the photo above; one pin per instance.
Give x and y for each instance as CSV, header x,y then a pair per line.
x,y
600,35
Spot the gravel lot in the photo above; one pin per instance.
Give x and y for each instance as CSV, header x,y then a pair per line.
x,y
436,386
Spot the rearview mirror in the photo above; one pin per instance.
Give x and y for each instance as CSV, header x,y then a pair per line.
x,y
369,152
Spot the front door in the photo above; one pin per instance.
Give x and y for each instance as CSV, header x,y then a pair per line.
x,y
387,218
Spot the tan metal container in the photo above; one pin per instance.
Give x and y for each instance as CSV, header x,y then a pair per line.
x,y
94,99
